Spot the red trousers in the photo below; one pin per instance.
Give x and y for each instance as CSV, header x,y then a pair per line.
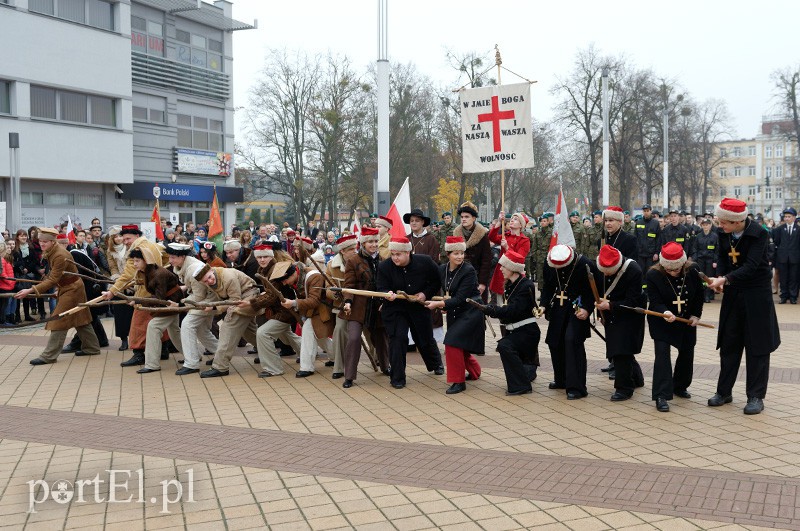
x,y
459,360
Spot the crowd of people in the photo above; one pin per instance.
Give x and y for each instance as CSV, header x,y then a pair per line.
x,y
298,292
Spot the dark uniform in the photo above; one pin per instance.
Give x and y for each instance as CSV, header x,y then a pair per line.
x,y
624,242
519,348
647,237
566,334
675,233
787,260
747,320
705,255
663,290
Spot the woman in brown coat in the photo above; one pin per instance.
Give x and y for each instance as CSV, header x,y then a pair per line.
x,y
362,312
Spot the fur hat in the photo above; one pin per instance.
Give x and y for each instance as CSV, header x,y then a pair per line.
x,y
345,242
282,271
401,243
672,256
523,219
262,249
609,260
201,271
614,212
469,208
232,245
455,243
179,249
385,222
731,210
367,234
130,229
560,255
512,261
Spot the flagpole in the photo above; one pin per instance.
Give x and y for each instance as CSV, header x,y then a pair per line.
x,y
498,61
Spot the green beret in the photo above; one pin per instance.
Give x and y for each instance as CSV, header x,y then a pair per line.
x,y
574,213
447,214
597,213
549,215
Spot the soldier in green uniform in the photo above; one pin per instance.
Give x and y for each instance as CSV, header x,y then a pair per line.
x,y
542,245
445,229
594,235
628,225
531,231
577,231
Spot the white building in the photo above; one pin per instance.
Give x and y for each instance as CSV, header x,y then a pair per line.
x,y
110,98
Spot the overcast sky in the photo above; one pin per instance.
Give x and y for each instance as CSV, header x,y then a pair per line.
x,y
713,48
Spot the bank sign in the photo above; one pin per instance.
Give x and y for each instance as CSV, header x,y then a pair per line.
x,y
203,162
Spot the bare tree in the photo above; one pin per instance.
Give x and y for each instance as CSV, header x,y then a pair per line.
x,y
787,94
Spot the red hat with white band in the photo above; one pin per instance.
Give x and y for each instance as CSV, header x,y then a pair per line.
x,y
614,212
367,234
263,250
559,256
672,256
400,243
731,210
383,221
609,260
513,261
455,243
345,242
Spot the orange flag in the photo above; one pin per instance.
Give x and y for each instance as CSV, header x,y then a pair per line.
x,y
156,218
215,232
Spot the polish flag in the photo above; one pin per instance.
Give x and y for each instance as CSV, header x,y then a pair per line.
x,y
401,205
70,230
355,229
562,230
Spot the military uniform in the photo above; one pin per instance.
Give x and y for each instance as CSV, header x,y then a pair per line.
x,y
445,230
541,244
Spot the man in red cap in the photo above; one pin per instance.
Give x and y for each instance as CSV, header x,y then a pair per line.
x,y
674,288
519,347
567,299
747,320
384,226
613,218
417,275
621,285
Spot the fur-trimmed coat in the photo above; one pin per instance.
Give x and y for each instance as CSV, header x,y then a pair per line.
x,y
479,252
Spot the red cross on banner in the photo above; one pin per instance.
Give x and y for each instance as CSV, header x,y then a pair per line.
x,y
495,116
508,143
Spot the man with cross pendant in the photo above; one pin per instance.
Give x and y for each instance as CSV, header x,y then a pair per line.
x,y
674,288
747,320
565,280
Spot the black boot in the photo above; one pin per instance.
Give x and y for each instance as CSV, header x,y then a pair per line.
x,y
124,345
73,346
165,350
136,359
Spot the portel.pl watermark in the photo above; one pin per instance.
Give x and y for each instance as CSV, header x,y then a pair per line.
x,y
114,486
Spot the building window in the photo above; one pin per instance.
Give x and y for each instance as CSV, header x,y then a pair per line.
x,y
59,199
133,203
737,191
737,152
147,36
751,171
778,192
197,50
95,13
737,171
768,152
778,150
723,191
147,108
723,152
5,97
72,107
767,192
723,172
778,171
751,190
200,127
32,198
88,200
768,172
751,151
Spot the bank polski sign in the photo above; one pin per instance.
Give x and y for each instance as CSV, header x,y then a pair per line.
x,y
203,162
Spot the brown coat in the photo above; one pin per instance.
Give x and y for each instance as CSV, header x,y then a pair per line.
x,y
479,252
129,273
358,275
427,244
335,271
162,283
233,285
313,307
70,289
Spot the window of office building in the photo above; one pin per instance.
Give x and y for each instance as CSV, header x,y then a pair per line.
x,y
147,36
59,199
74,107
147,108
5,97
768,152
737,171
779,150
198,50
32,198
751,171
95,13
751,151
199,127
88,200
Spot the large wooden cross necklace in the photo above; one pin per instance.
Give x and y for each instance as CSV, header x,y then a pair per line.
x,y
562,295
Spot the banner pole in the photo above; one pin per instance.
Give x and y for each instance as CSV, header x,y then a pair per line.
x,y
498,61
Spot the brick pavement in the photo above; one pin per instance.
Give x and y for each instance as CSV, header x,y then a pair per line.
x,y
308,454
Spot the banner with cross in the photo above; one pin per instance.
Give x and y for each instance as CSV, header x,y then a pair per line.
x,y
496,128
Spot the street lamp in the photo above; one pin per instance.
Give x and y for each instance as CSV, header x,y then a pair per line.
x,y
605,137
14,216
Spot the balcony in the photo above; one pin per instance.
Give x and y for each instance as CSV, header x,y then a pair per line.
x,y
160,72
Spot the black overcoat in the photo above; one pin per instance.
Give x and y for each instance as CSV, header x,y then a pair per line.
x,y
421,274
661,292
625,243
575,282
749,289
465,323
624,328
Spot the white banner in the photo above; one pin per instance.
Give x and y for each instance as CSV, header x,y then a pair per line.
x,y
496,128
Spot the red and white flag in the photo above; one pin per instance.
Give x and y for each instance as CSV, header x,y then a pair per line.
x,y
401,205
355,228
70,230
562,230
